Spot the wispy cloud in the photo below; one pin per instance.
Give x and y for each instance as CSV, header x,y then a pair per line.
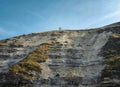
x,y
12,23
35,14
15,25
111,15
2,31
6,32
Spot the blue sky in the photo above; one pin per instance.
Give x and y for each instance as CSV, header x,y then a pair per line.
x,y
19,17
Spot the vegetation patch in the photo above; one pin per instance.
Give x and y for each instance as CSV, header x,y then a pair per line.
x,y
111,52
16,44
29,68
2,43
57,33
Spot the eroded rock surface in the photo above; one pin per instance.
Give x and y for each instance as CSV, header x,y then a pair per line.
x,y
73,58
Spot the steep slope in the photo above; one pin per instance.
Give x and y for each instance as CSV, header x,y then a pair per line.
x,y
111,53
76,58
15,49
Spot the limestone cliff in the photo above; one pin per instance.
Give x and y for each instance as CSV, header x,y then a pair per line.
x,y
64,58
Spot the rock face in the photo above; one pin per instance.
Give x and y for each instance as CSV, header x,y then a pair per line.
x,y
69,58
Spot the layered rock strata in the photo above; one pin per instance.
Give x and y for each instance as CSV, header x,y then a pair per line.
x,y
76,58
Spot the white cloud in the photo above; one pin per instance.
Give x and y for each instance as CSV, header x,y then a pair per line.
x,y
113,15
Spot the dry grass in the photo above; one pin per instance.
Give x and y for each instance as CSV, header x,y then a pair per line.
x,y
57,33
32,61
2,43
115,36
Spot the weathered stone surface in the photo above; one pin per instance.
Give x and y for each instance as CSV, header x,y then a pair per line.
x,y
73,58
